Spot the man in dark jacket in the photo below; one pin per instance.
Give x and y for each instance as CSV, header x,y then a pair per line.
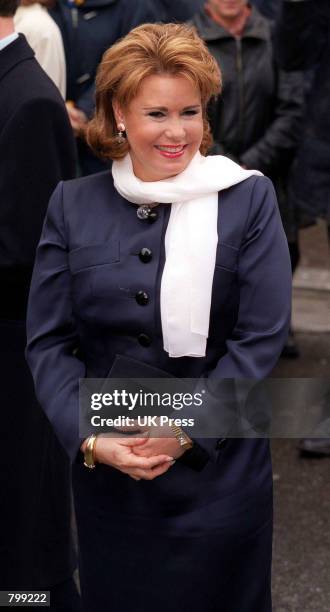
x,y
256,120
36,151
303,42
88,29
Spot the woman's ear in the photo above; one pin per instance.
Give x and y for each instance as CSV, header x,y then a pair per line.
x,y
119,115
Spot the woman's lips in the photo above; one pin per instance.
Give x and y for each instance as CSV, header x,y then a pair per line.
x,y
171,151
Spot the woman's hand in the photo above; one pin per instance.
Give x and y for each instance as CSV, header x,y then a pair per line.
x,y
77,118
118,453
155,446
161,440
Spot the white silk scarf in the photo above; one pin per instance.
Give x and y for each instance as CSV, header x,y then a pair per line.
x,y
190,242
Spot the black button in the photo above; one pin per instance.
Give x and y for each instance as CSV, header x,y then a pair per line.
x,y
152,216
221,443
144,340
142,298
143,212
145,255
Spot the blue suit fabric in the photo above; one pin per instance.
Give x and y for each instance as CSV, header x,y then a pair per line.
x,y
188,540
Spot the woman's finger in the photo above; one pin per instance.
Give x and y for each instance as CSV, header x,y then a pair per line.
x,y
132,441
145,463
134,428
150,474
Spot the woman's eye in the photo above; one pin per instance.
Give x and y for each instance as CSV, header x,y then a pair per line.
x,y
157,114
161,115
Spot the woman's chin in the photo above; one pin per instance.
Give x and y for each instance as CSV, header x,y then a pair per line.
x,y
161,169
172,167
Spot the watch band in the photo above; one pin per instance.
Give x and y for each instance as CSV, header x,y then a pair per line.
x,y
184,440
89,460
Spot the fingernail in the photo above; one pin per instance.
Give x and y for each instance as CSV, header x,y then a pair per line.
x,y
170,459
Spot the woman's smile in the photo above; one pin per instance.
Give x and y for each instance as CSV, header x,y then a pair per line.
x,y
171,151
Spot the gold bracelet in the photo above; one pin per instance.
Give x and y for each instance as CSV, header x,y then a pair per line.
x,y
89,459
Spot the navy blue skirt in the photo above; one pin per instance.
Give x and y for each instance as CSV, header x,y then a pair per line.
x,y
162,546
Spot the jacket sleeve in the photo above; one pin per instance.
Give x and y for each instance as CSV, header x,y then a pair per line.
x,y
51,333
264,276
281,137
45,155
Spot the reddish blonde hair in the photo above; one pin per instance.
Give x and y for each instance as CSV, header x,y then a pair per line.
x,y
150,49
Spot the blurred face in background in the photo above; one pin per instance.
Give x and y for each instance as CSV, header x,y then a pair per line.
x,y
227,9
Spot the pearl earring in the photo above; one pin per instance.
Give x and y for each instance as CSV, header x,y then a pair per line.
x,y
120,138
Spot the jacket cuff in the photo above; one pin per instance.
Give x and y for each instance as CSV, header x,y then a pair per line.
x,y
195,458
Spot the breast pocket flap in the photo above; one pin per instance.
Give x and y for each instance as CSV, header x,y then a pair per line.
x,y
93,255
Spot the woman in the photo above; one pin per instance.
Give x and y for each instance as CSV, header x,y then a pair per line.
x,y
197,288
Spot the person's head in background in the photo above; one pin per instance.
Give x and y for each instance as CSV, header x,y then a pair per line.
x,y
8,8
154,86
231,15
7,11
227,9
45,3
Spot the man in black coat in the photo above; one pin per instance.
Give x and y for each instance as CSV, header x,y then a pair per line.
x,y
257,119
36,152
303,42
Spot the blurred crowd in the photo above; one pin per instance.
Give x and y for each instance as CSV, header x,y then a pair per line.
x,y
273,115
274,99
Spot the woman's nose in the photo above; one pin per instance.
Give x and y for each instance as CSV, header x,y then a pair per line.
x,y
175,130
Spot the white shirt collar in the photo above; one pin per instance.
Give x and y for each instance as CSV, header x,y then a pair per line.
x,y
4,42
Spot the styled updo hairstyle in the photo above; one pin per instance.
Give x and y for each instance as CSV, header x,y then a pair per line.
x,y
150,49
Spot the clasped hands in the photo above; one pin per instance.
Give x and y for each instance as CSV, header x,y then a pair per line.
x,y
144,457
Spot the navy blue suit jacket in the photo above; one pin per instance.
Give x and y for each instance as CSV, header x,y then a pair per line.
x,y
87,274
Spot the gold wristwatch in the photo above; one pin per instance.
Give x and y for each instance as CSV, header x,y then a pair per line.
x,y
182,437
89,459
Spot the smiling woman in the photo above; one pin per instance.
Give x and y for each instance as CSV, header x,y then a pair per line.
x,y
172,264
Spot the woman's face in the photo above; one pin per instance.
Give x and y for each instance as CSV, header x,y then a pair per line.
x,y
228,9
164,126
